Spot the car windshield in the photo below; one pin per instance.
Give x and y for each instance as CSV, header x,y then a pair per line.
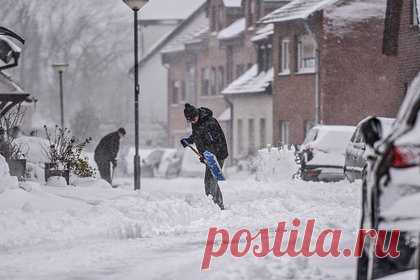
x,y
311,136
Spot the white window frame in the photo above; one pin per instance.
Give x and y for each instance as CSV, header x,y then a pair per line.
x,y
285,56
301,67
285,132
416,12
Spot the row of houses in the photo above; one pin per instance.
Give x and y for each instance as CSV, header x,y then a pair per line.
x,y
271,69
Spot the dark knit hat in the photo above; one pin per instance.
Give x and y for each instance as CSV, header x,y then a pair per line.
x,y
190,112
122,131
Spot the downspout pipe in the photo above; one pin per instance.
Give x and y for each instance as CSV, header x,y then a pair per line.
x,y
318,119
232,119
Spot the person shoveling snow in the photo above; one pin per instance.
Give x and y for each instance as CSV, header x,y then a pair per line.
x,y
210,140
106,154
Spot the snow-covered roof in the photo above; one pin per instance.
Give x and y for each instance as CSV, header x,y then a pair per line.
x,y
233,30
250,82
264,32
12,45
198,37
297,9
196,27
232,3
8,86
341,17
169,10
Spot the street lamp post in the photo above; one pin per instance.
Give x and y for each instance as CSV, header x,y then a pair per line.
x,y
136,5
60,69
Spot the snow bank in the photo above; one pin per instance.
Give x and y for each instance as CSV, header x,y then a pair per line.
x,y
6,181
51,214
274,164
191,166
342,17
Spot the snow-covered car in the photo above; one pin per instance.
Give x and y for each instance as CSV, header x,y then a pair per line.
x,y
391,187
322,154
355,161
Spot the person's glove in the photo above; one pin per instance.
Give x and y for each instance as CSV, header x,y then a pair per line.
x,y
184,142
114,163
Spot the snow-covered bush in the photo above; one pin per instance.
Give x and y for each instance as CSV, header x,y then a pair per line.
x,y
275,164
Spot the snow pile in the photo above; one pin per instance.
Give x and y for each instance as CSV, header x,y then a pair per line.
x,y
48,214
275,164
6,181
342,17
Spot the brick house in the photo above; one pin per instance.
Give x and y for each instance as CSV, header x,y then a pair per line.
x,y
200,67
213,59
328,66
250,95
401,34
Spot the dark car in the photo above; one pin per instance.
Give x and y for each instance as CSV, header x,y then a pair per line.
x,y
321,156
355,161
391,187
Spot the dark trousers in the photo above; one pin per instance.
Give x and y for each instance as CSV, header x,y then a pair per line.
x,y
212,187
104,168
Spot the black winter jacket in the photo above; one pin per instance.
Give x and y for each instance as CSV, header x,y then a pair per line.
x,y
208,135
108,147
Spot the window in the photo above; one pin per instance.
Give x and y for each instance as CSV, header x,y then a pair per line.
x,y
261,58
284,132
205,81
285,59
249,13
220,17
213,81
251,136
229,64
240,136
220,79
178,92
263,133
191,84
213,18
306,54
416,12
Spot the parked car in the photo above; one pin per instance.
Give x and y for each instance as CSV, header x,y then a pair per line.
x,y
391,187
355,160
321,156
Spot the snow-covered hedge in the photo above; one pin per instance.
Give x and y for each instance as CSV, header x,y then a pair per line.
x,y
275,164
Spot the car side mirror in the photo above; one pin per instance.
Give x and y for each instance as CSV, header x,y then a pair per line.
x,y
371,131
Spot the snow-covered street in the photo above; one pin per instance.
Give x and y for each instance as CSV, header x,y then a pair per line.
x,y
93,232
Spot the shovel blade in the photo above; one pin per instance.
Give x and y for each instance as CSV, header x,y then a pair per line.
x,y
214,166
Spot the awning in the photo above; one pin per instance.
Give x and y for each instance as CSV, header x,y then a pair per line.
x,y
250,82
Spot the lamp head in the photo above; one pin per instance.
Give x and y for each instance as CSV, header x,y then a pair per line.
x,y
60,67
136,5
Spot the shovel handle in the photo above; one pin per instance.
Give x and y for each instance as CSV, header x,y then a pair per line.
x,y
195,151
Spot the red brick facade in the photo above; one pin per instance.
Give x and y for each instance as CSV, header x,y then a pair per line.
x,y
355,79
401,38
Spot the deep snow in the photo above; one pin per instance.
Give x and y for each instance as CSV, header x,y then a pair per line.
x,y
95,232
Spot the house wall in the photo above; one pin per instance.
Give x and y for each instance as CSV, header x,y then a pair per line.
x,y
356,80
408,52
294,93
246,108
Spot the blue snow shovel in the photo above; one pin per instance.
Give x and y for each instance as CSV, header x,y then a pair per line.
x,y
211,161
